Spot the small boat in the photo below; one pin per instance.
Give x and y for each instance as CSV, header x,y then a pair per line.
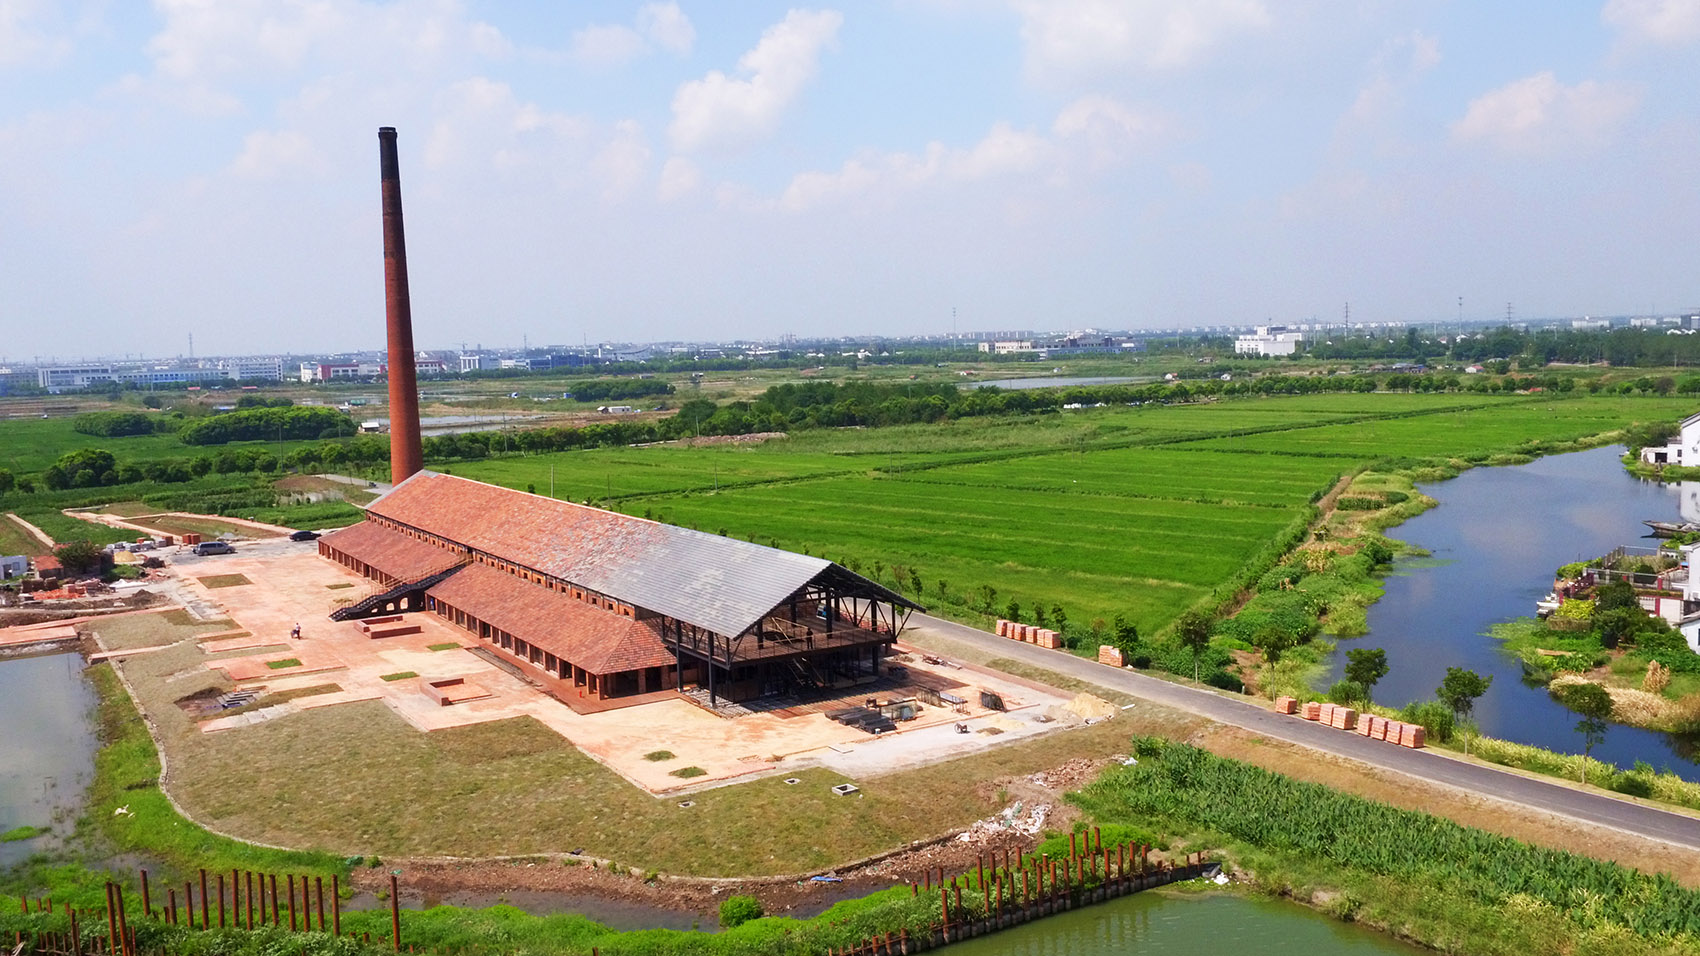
x,y
1670,529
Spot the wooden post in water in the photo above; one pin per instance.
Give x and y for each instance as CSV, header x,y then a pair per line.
x,y
171,906
336,905
276,908
251,899
206,909
395,913
319,891
147,907
290,880
221,901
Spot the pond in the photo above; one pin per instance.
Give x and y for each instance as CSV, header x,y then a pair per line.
x,y
1496,538
47,750
1177,925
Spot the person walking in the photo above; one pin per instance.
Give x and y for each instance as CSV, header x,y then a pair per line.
x,y
296,632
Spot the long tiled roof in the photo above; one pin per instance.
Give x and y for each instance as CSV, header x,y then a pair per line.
x,y
599,641
715,582
391,552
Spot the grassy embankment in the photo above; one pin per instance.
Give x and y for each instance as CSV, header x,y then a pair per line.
x,y
1420,877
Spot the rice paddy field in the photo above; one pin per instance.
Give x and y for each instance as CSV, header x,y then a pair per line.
x,y
1135,511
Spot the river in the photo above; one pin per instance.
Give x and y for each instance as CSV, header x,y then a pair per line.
x,y
1176,925
1496,537
47,750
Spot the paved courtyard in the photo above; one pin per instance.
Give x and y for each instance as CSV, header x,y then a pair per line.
x,y
283,584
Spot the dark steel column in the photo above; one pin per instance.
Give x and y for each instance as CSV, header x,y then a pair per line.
x,y
406,456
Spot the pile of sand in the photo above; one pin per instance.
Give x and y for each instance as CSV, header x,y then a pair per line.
x,y
1088,707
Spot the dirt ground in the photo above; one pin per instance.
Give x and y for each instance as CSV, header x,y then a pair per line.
x,y
951,854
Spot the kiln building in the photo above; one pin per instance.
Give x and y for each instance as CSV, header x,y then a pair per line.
x,y
603,609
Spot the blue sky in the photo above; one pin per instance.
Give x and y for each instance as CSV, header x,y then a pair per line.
x,y
677,170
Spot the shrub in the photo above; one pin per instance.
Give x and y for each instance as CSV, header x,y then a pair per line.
x,y
1346,692
1632,784
1225,681
1435,717
738,910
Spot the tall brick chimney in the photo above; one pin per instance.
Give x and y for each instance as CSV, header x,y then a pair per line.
x,y
406,455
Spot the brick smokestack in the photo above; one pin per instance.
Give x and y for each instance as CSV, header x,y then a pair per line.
x,y
406,455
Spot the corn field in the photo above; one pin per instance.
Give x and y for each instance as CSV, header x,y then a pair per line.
x,y
1192,790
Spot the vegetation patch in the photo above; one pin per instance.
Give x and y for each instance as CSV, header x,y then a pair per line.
x,y
687,772
296,662
224,580
1397,868
340,585
445,646
658,755
400,675
26,832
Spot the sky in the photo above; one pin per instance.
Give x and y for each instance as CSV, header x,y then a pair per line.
x,y
588,171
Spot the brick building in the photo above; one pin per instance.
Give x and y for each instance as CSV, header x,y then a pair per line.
x,y
604,609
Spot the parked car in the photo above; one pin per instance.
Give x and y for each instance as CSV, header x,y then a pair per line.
x,y
214,547
303,535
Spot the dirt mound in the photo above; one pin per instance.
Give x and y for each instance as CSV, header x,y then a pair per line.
x,y
1087,707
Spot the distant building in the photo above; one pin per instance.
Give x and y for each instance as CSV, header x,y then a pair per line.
x,y
471,362
430,366
254,369
13,566
1269,340
1008,347
331,371
71,378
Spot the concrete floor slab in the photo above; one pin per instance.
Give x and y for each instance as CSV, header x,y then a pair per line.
x,y
292,585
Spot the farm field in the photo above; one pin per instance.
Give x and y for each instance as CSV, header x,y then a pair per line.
x,y
15,540
1070,509
31,444
1462,433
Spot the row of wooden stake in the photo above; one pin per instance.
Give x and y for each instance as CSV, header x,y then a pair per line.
x,y
248,896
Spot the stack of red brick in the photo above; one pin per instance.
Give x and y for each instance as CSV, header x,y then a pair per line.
x,y
1345,718
1027,633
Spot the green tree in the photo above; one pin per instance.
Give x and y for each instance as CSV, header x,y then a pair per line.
x,y
1459,691
1613,595
1124,635
79,557
1273,641
1193,630
1012,610
1594,703
7,481
1365,666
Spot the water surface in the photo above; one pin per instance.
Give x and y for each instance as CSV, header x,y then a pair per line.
x,y
1497,536
46,748
1171,925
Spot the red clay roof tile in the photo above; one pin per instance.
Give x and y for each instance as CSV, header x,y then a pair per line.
x,y
391,552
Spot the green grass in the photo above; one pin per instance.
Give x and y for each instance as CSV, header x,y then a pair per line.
x,y
340,585
15,540
687,772
445,646
32,444
62,527
658,755
26,832
289,662
224,580
400,675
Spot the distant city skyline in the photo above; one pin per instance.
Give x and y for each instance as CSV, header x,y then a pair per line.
x,y
661,171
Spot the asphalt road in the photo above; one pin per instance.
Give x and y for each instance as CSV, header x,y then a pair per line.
x,y
1536,794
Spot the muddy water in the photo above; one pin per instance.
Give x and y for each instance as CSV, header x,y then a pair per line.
x,y
46,748
1176,925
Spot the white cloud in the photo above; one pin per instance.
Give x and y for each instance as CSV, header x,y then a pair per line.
x,y
1399,63
1661,22
679,178
667,27
1108,129
30,33
722,110
606,45
271,154
661,24
480,125
623,163
202,41
1066,37
1539,114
